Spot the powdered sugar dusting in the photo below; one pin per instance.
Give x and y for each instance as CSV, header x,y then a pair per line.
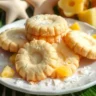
x,y
81,77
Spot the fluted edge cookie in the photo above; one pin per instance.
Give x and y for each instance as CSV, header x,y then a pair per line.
x,y
51,39
46,25
82,44
67,59
36,61
13,39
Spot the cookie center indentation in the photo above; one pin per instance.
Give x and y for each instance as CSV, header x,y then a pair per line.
x,y
36,58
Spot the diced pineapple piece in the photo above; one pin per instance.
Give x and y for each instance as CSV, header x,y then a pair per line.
x,y
63,71
7,72
12,58
72,7
88,16
75,26
94,36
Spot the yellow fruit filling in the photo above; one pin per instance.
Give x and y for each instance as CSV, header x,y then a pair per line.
x,y
7,72
75,26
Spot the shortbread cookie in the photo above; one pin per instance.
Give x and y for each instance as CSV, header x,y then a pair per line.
x,y
51,39
12,58
81,43
13,39
67,58
46,25
36,60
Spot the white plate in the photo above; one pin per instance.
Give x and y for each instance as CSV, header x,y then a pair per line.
x,y
77,82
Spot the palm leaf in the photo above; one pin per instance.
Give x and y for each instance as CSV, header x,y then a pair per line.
x,y
2,18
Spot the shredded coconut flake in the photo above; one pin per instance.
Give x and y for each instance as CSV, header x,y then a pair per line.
x,y
83,76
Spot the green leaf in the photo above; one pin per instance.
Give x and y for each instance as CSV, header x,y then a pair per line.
x,y
0,23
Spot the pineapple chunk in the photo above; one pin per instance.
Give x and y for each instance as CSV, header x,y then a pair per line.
x,y
7,72
94,36
63,71
72,7
75,26
12,58
88,16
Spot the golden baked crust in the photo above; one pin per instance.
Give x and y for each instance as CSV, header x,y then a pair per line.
x,y
51,39
36,61
81,43
66,57
46,25
13,39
